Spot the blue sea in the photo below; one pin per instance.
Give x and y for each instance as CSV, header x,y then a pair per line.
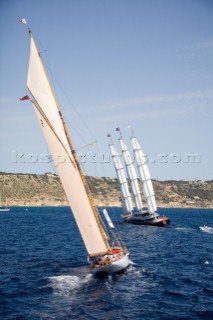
x,y
44,272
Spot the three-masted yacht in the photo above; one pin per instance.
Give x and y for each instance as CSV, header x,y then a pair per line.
x,y
105,255
147,186
139,215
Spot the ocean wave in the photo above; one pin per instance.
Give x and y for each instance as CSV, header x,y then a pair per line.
x,y
184,229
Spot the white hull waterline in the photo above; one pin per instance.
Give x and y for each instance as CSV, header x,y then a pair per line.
x,y
111,264
138,218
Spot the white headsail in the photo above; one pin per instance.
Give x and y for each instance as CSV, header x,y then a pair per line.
x,y
108,219
126,197
144,175
64,157
131,174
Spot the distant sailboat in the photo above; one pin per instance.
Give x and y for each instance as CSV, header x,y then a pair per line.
x,y
140,215
147,186
105,255
3,208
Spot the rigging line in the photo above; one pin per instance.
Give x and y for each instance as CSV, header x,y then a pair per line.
x,y
65,94
44,49
104,226
101,163
54,79
89,183
93,164
85,171
76,132
76,110
118,239
79,115
70,123
35,103
113,235
86,188
116,234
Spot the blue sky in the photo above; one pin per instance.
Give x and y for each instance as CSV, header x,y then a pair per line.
x,y
113,63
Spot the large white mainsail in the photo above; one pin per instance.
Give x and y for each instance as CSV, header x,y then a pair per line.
x,y
131,174
126,197
64,157
144,175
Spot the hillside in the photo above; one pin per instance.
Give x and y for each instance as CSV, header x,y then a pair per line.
x,y
46,190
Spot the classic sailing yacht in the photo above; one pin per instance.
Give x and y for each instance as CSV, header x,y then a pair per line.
x,y
105,255
3,208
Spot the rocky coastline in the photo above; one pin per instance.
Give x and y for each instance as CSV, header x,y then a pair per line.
x,y
46,190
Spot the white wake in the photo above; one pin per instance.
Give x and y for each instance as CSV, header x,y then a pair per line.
x,y
206,229
65,285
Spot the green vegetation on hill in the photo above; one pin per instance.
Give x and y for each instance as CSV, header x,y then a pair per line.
x,y
46,189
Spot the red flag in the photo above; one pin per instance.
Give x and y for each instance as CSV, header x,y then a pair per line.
x,y
25,98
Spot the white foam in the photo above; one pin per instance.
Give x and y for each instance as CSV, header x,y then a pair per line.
x,y
64,285
206,229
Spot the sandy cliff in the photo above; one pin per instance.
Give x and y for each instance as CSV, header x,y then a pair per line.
x,y
46,190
